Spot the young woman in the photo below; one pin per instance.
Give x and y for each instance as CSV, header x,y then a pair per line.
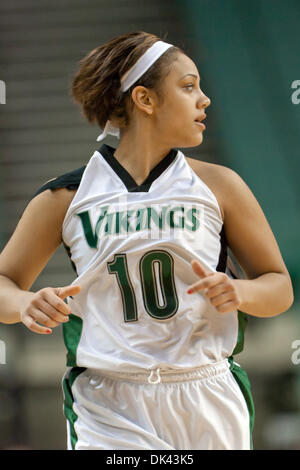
x,y
154,315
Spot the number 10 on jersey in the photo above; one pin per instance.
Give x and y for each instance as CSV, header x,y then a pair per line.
x,y
157,285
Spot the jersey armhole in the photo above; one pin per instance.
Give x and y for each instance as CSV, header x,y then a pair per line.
x,y
69,180
228,263
208,189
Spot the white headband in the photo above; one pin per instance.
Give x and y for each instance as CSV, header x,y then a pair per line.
x,y
133,74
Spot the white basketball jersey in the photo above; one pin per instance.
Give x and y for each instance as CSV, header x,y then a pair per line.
x,y
132,247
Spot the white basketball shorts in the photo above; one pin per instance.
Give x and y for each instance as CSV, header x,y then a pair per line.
x,y
201,408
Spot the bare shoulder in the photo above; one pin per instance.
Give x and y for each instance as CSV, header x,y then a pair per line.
x,y
247,230
54,203
62,197
36,237
218,178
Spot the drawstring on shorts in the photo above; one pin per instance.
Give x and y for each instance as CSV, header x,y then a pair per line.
x,y
158,375
158,378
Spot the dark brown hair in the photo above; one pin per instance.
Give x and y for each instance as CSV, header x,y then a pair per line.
x,y
96,85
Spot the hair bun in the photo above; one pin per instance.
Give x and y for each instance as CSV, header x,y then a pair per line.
x,y
116,82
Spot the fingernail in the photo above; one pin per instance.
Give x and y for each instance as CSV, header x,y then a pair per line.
x,y
189,291
48,332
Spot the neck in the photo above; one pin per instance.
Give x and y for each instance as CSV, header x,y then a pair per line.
x,y
139,151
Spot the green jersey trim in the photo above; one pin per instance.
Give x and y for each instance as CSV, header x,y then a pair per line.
x,y
69,412
243,382
242,323
72,333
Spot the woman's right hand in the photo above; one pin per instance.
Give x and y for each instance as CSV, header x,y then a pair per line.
x,y
47,308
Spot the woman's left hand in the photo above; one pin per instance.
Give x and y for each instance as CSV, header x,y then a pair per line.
x,y
221,290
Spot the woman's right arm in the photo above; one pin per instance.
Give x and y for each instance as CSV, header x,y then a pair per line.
x,y
34,241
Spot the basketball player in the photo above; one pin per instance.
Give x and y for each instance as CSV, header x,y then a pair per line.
x,y
155,315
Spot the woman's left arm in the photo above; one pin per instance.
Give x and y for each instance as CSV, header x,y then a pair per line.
x,y
268,290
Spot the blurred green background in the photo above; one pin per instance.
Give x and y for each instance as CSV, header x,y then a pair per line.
x,y
247,54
